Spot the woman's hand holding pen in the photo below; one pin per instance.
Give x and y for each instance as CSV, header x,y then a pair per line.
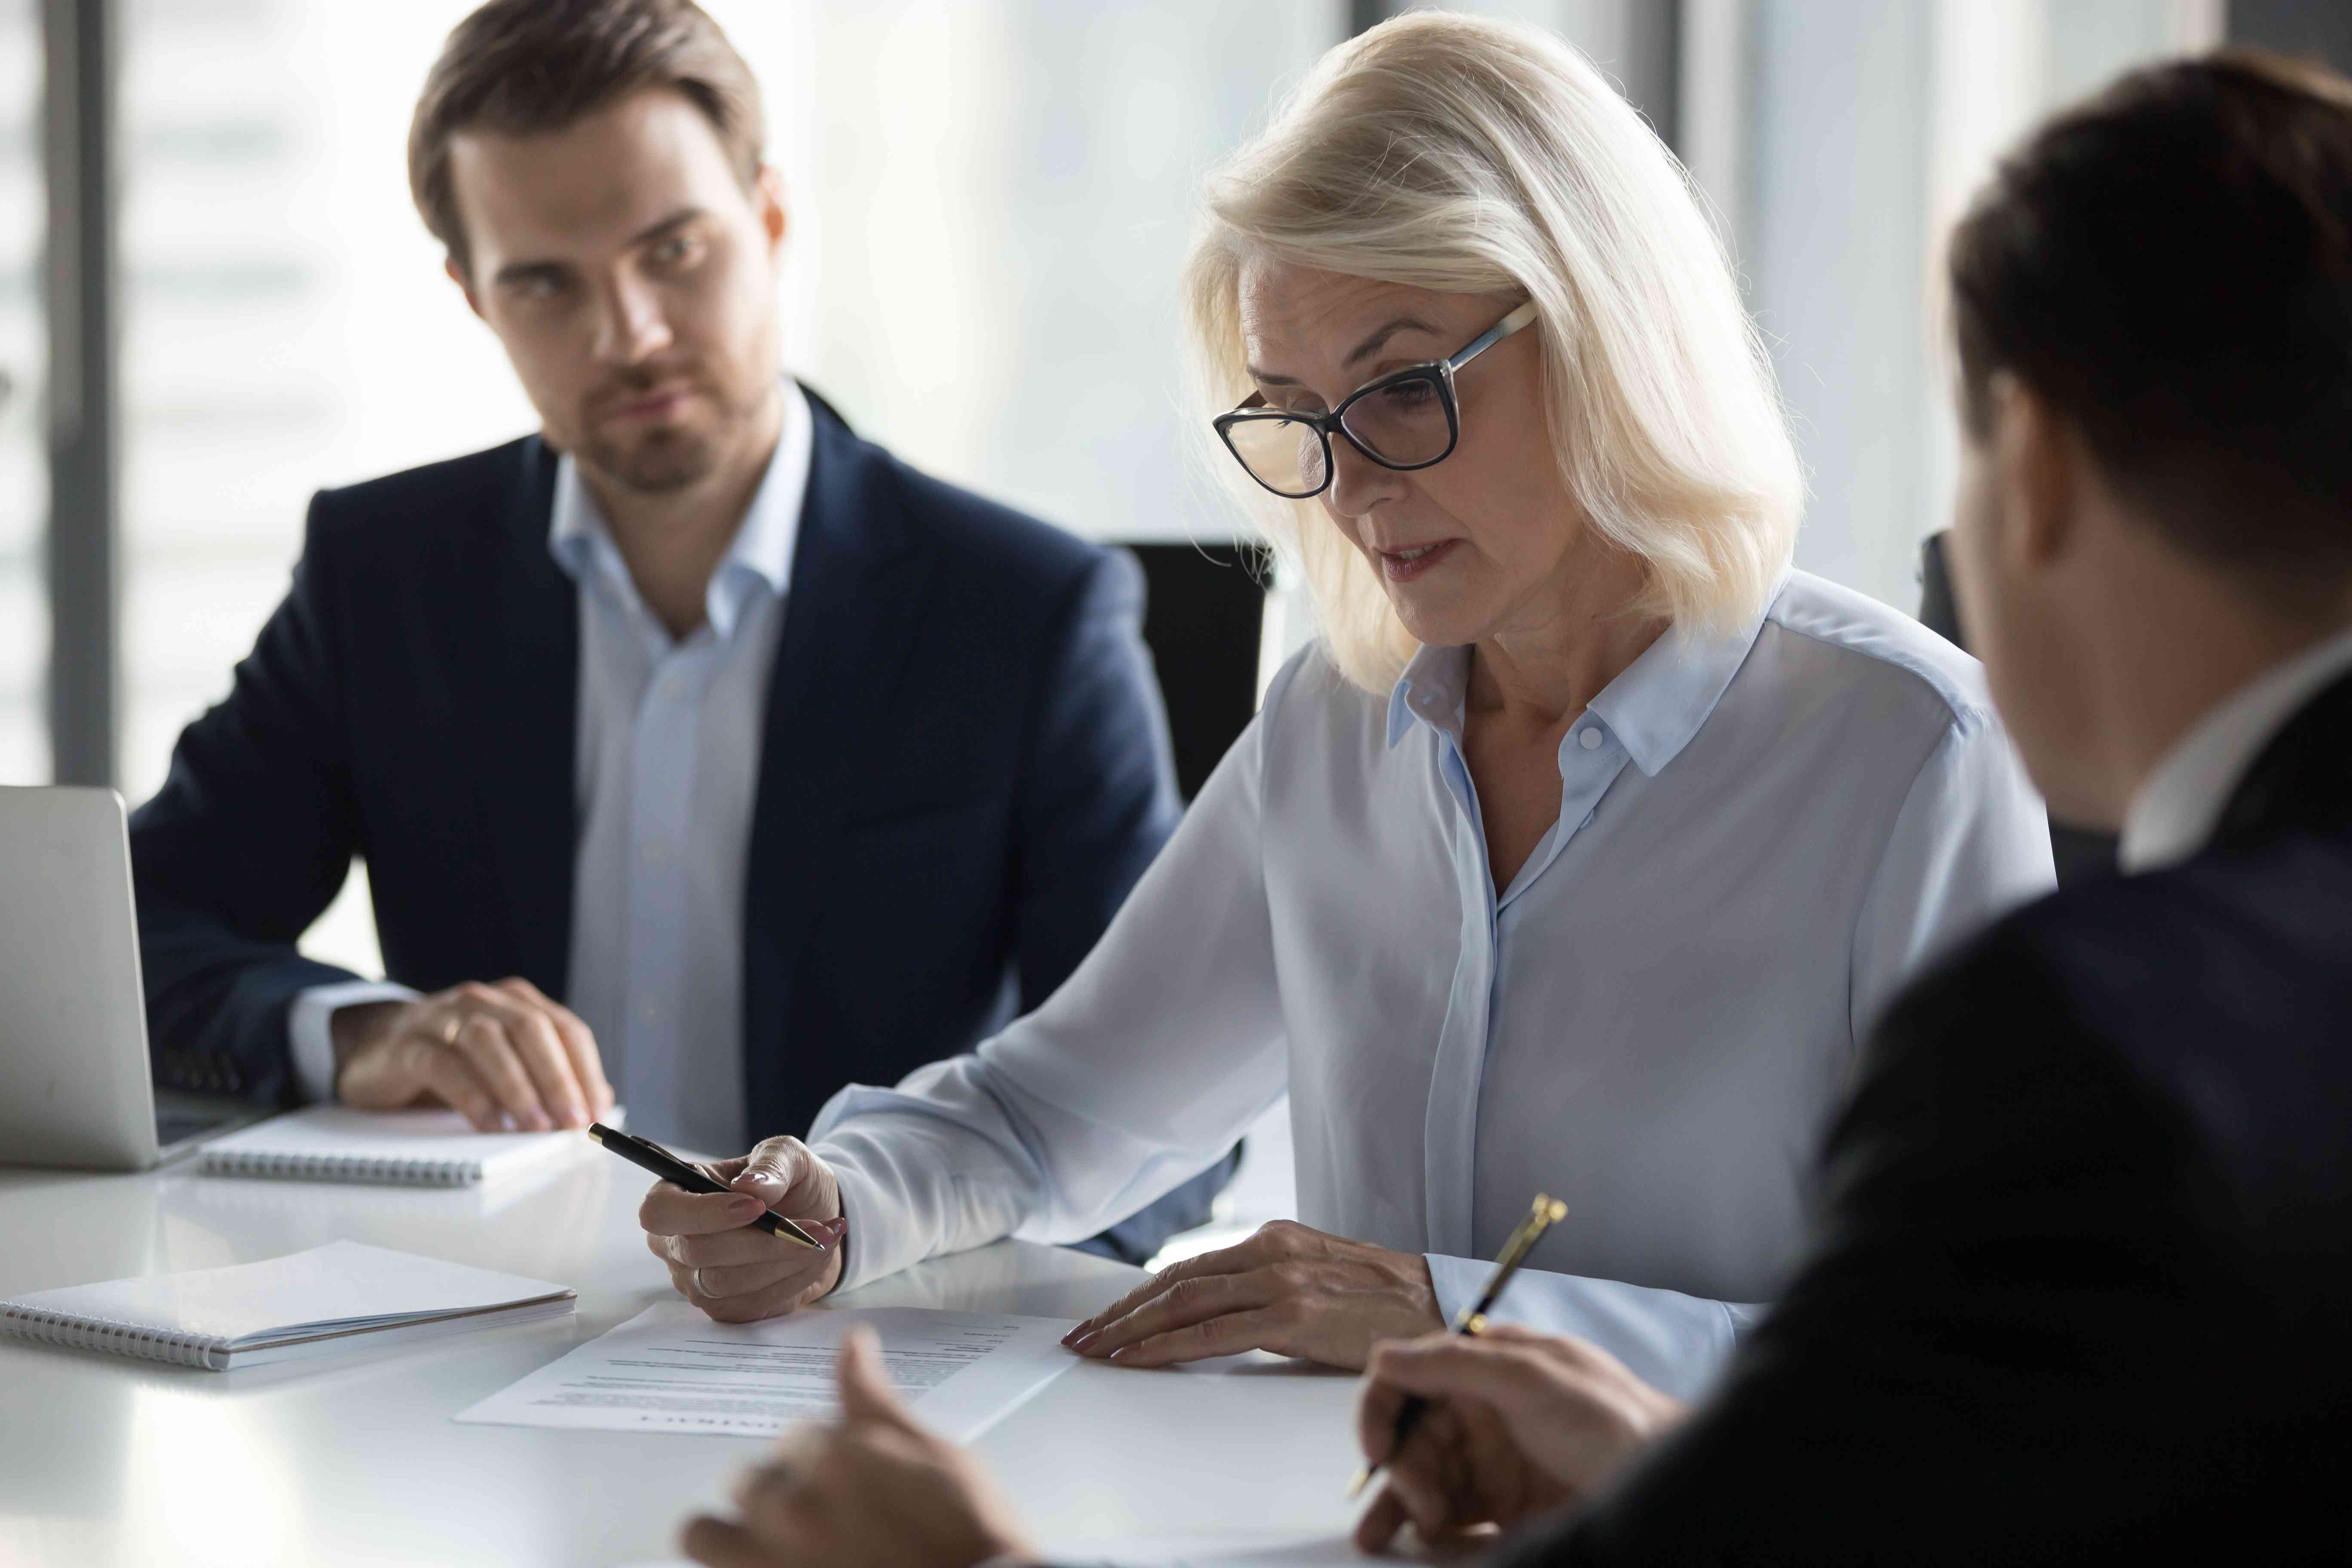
x,y
1288,1288
720,1262
1518,1422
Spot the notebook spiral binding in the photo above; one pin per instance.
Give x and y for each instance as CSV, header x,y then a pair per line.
x,y
76,1332
343,1168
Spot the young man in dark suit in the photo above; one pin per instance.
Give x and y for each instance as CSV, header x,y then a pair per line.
x,y
2084,1281
700,751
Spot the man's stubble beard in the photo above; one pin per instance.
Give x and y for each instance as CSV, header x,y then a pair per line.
x,y
664,463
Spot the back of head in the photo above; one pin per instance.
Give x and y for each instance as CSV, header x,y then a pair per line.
x,y
2169,266
520,68
1466,155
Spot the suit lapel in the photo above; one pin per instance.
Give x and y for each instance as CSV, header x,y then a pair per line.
x,y
523,724
850,621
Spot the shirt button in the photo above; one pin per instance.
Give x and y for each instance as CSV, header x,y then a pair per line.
x,y
1588,738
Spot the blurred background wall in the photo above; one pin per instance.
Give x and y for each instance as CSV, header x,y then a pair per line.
x,y
989,204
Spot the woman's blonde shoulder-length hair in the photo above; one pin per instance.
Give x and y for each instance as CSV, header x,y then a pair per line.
x,y
1466,155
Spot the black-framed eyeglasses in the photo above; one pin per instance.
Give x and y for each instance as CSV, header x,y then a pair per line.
x,y
1406,420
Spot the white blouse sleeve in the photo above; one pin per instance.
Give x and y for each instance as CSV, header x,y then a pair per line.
x,y
1162,1047
1673,1342
1970,844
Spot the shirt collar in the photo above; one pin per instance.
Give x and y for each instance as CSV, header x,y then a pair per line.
x,y
2175,809
1652,708
759,555
1432,690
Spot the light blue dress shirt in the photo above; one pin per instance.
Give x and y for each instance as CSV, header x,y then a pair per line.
x,y
1760,836
667,766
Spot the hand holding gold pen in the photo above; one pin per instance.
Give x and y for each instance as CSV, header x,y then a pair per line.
x,y
1541,1216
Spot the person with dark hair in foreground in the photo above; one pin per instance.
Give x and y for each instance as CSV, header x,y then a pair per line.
x,y
698,749
2084,1279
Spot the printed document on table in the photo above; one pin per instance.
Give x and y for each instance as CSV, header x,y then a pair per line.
x,y
671,1369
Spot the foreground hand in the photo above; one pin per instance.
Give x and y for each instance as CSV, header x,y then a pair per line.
x,y
875,1489
719,1262
1288,1288
497,1053
1518,1422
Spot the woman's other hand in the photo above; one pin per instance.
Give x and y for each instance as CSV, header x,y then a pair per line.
x,y
1288,1288
1517,1423
873,1488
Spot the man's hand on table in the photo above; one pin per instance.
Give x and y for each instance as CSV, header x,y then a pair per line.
x,y
503,1055
1518,1422
1288,1288
873,1488
718,1261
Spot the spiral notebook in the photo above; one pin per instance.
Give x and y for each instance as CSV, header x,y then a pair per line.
x,y
330,1300
408,1148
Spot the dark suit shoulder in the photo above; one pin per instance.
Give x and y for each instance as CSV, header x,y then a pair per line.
x,y
2254,944
461,494
2220,990
1009,549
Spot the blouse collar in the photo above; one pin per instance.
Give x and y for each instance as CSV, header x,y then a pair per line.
x,y
1654,708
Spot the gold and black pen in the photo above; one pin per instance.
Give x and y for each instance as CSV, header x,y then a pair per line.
x,y
1546,1212
649,1156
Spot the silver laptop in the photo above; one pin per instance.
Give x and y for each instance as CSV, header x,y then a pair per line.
x,y
75,1085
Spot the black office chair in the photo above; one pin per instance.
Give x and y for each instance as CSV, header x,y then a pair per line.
x,y
1202,620
2081,854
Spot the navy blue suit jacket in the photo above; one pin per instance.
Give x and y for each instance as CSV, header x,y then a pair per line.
x,y
964,769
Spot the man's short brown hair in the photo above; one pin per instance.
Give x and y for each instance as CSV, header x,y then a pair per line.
x,y
522,68
2169,266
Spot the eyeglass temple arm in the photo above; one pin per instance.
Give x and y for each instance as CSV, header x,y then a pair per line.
x,y
1493,334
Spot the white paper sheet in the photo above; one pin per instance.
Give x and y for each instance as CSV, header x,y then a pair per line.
x,y
671,1369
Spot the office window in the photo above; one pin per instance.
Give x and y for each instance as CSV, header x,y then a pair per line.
x,y
1847,136
1000,196
24,477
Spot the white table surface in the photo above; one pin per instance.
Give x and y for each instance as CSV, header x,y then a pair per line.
x,y
109,1460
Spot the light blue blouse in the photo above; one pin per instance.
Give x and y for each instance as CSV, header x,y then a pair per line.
x,y
1760,836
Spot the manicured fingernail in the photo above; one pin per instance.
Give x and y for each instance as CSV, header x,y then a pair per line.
x,y
744,1206
1086,1343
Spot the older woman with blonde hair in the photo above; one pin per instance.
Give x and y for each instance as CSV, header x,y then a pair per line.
x,y
1576,854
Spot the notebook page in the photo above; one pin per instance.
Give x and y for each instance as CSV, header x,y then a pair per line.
x,y
423,1136
344,1282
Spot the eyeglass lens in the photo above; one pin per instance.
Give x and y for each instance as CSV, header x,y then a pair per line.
x,y
1285,456
1403,424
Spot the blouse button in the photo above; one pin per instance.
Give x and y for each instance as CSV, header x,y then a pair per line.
x,y
1588,738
